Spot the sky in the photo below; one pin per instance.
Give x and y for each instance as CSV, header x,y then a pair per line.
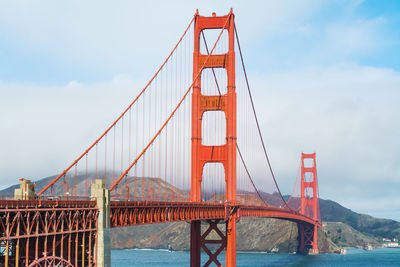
x,y
325,76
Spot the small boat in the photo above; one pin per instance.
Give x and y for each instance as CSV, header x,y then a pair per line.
x,y
342,251
367,247
170,247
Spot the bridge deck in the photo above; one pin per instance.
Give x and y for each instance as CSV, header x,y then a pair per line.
x,y
126,213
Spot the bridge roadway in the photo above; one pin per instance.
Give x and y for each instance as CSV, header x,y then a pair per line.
x,y
128,213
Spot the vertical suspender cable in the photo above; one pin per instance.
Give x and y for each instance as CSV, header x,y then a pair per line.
x,y
105,160
256,119
170,116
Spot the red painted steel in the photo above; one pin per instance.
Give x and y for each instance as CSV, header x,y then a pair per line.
x,y
225,154
59,227
129,213
51,261
34,232
309,203
221,241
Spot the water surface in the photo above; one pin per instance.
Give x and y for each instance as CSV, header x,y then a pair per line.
x,y
164,258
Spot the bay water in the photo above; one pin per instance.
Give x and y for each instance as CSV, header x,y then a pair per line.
x,y
165,258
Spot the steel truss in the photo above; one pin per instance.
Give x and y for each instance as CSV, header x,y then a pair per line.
x,y
43,232
308,238
126,213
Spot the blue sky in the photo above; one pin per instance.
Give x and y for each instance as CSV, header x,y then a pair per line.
x,y
369,32
326,76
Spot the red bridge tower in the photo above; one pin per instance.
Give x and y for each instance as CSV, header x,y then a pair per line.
x,y
309,204
226,153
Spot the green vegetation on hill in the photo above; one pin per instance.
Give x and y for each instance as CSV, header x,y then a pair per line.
x,y
334,212
253,234
344,235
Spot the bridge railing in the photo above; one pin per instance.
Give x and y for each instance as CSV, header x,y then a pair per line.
x,y
63,198
39,203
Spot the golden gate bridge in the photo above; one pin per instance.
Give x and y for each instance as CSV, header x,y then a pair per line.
x,y
187,148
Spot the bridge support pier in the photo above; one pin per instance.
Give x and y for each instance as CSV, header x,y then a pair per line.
x,y
26,190
230,258
195,247
212,241
100,193
308,243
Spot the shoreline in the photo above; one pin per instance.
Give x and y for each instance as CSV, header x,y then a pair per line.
x,y
238,251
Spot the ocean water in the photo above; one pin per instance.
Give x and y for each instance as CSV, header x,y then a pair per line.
x,y
164,258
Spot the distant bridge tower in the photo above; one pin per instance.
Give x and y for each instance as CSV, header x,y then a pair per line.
x,y
309,205
226,153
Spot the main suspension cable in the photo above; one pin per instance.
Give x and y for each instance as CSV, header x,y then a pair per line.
x,y
251,180
237,146
255,116
173,112
122,114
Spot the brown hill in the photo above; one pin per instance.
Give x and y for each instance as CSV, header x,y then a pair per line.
x,y
253,234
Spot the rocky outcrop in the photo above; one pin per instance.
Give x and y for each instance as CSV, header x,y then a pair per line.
x,y
253,234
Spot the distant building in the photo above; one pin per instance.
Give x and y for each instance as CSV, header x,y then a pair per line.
x,y
391,245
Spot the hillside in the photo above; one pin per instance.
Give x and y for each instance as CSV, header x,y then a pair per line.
x,y
156,184
344,235
253,234
334,212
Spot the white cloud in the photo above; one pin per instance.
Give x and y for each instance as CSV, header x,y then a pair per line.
x,y
43,128
127,36
346,113
73,84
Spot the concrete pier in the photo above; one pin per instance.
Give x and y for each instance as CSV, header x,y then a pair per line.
x,y
100,193
26,190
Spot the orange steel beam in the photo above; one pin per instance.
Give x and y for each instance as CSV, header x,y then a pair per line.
x,y
134,213
35,230
206,239
128,213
